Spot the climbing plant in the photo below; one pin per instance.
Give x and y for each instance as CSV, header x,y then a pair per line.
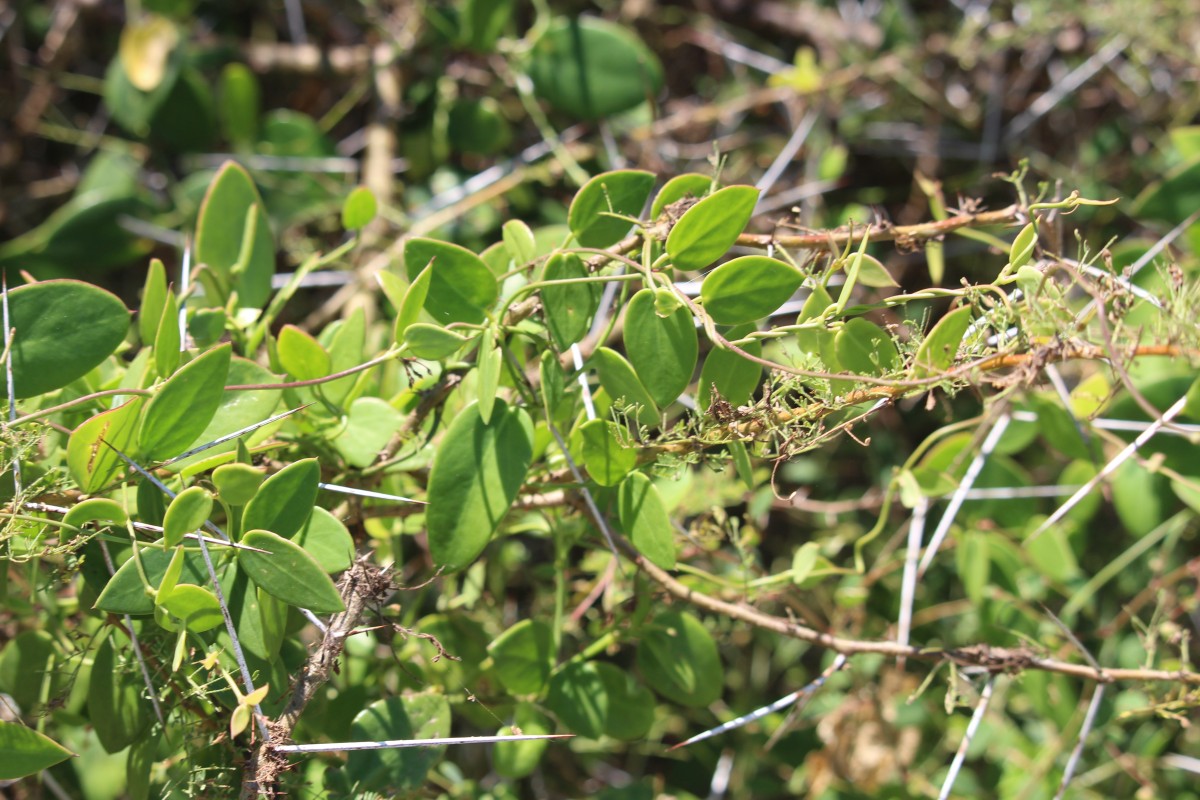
x,y
537,495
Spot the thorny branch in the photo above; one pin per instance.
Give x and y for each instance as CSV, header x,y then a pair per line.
x,y
361,585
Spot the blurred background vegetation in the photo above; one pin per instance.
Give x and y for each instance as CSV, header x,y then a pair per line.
x,y
457,116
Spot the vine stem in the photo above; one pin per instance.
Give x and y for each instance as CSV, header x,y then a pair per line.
x,y
993,659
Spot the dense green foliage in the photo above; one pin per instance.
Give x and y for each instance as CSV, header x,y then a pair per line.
x,y
646,455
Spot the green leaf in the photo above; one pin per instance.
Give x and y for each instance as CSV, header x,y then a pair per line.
x,y
359,209
663,350
735,377
622,384
27,664
488,363
24,751
568,308
524,656
644,519
748,288
679,660
688,185
238,409
409,310
432,342
326,539
937,352
514,760
865,348
92,463
238,104
974,564
287,572
398,770
461,287
483,21
301,355
708,229
872,273
231,204
607,462
741,463
115,705
62,330
621,192
477,472
196,606
167,339
370,425
246,607
631,711
579,698
237,483
285,500
478,126
1022,247
154,294
804,560
189,510
589,68
126,594
519,241
96,509
554,386
184,405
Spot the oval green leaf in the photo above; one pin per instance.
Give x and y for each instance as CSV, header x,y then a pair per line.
x,y
90,459
285,500
623,385
370,424
288,573
115,705
607,462
188,511
184,405
400,770
154,294
644,519
196,606
488,363
663,350
477,471
126,594
708,229
568,308
514,760
734,376
233,237
24,751
590,68
461,286
621,192
326,539
237,483
524,656
301,355
865,348
432,342
631,710
359,209
679,660
63,329
937,352
579,698
748,288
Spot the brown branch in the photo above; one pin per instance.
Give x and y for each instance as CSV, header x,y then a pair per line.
x,y
994,659
359,586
